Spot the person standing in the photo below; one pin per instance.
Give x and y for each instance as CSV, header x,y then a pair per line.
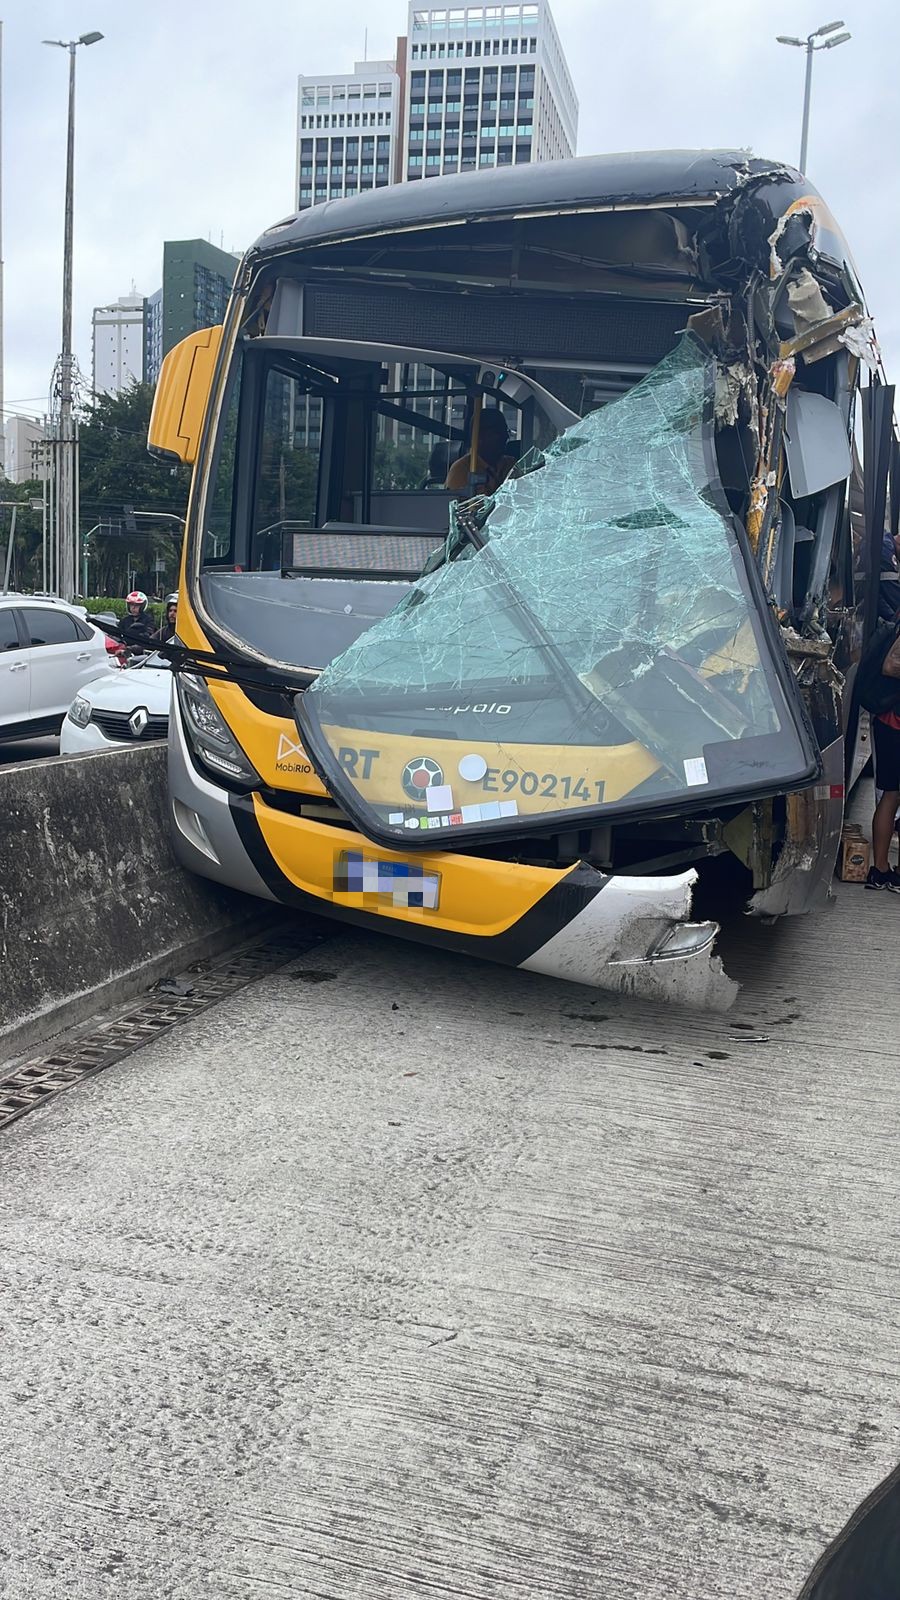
x,y
170,618
886,742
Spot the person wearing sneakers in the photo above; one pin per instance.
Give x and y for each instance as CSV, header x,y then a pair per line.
x,y
886,741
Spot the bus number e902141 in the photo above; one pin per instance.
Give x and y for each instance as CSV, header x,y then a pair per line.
x,y
549,785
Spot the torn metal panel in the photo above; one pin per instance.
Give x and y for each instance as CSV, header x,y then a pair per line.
x,y
791,236
860,340
803,874
825,337
832,509
807,229
750,836
735,387
815,442
807,302
636,938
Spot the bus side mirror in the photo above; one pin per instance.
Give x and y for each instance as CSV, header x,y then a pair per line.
x,y
182,392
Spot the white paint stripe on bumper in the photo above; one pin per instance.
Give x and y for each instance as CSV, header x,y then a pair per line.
x,y
635,937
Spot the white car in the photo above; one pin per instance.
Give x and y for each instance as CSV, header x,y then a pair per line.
x,y
48,650
127,706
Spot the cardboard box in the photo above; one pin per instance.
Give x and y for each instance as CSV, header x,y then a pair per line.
x,y
855,857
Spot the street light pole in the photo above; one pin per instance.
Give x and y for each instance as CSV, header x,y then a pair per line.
x,y
822,39
2,412
67,531
807,96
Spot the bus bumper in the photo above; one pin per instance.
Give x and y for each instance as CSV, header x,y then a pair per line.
x,y
631,935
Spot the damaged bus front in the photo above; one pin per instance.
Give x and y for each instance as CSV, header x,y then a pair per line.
x,y
516,716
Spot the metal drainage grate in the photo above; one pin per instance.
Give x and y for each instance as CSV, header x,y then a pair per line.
x,y
38,1081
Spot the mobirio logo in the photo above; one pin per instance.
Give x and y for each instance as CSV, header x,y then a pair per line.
x,y
288,748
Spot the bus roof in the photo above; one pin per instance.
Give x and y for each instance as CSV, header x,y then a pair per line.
x,y
637,178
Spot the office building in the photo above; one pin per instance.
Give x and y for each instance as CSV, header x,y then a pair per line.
x,y
117,343
197,281
347,132
486,86
470,87
23,441
153,350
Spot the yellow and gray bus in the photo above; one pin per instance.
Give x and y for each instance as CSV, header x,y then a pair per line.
x,y
520,716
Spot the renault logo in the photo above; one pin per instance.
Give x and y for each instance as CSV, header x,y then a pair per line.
x,y
138,720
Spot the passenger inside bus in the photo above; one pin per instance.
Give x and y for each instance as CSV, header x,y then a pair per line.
x,y
438,466
495,459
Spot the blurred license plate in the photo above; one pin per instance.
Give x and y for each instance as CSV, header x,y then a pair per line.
x,y
400,883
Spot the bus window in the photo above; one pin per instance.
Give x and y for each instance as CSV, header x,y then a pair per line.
x,y
218,531
418,429
287,467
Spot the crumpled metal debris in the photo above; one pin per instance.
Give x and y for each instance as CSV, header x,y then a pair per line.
x,y
860,340
807,302
776,265
731,382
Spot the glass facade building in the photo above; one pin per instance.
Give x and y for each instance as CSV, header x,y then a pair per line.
x,y
347,128
487,86
471,87
197,281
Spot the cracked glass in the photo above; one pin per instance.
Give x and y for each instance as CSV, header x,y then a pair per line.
x,y
586,642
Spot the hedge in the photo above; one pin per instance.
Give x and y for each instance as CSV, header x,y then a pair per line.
x,y
114,604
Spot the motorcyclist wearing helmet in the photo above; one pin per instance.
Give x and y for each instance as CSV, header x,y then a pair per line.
x,y
137,624
170,616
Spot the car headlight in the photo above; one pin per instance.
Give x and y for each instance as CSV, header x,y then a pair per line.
x,y
80,711
210,736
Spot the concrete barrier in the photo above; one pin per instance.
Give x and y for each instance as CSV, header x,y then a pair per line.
x,y
93,905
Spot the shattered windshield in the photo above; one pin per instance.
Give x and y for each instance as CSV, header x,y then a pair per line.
x,y
588,642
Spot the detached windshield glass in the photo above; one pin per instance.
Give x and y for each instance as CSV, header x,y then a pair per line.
x,y
602,649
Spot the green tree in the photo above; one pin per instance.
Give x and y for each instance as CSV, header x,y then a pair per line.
x,y
117,470
25,571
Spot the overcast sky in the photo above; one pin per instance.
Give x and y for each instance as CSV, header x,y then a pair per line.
x,y
186,125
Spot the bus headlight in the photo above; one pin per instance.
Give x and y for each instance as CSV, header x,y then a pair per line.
x,y
209,734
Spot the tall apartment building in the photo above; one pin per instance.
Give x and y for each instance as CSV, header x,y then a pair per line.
x,y
197,281
347,132
117,344
471,86
153,350
486,86
23,443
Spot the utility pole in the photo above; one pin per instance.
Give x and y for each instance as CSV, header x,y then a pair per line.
x,y
2,412
11,542
67,447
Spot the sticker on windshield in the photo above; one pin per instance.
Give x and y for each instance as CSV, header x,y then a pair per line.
x,y
439,797
695,771
419,775
472,767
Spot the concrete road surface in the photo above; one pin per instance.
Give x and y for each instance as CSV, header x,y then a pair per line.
x,y
395,1277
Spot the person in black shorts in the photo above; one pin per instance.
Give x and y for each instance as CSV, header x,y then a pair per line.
x,y
886,739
